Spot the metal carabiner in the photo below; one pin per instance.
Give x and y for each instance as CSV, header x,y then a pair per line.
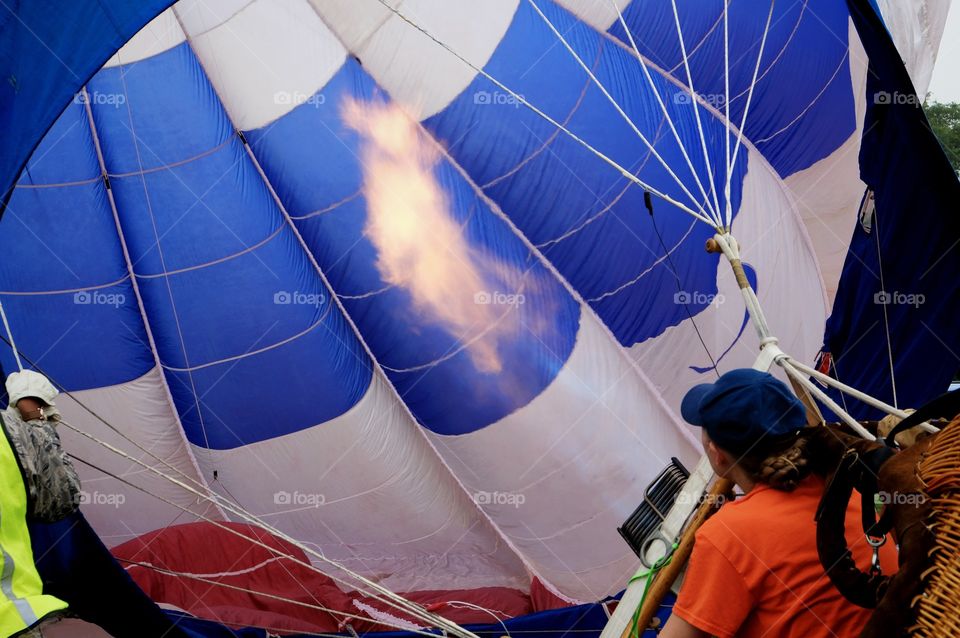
x,y
876,543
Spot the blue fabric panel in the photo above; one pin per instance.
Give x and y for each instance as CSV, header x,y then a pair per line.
x,y
70,556
580,620
915,236
239,315
137,102
311,158
588,219
802,107
66,289
47,51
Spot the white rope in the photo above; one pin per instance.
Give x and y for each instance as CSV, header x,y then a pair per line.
x,y
696,106
385,596
13,344
886,319
662,104
726,110
461,603
521,100
713,214
746,109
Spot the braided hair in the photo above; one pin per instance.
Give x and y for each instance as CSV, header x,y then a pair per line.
x,y
780,462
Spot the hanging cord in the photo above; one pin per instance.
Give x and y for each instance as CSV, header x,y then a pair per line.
x,y
708,211
746,109
661,103
11,343
886,320
461,603
696,108
648,575
648,202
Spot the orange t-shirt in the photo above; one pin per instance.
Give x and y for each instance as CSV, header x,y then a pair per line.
x,y
755,572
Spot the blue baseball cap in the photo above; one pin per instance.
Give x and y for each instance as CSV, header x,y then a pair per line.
x,y
742,407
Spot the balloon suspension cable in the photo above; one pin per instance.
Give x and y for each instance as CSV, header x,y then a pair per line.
x,y
746,109
11,342
709,211
663,106
573,136
696,106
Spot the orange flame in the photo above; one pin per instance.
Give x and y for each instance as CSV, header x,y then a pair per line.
x,y
420,246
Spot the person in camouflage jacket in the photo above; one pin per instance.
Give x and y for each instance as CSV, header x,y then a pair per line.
x,y
52,484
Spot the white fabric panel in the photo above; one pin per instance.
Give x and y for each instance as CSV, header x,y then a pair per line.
x,y
367,490
140,409
916,27
417,72
266,58
199,16
560,474
600,14
160,34
789,289
827,194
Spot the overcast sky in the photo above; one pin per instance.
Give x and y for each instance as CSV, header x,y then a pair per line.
x,y
945,84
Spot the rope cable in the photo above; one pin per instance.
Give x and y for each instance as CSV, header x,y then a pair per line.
x,y
676,275
726,110
660,102
746,109
626,118
885,300
696,107
11,343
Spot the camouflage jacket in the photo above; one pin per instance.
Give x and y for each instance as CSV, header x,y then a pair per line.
x,y
52,484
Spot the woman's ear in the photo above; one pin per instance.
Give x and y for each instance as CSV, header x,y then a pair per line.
x,y
718,458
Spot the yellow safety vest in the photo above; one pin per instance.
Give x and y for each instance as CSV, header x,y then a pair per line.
x,y
22,601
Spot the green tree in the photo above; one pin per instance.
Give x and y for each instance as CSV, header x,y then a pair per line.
x,y
945,121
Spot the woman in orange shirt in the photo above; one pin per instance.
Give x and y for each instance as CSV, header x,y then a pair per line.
x,y
754,570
